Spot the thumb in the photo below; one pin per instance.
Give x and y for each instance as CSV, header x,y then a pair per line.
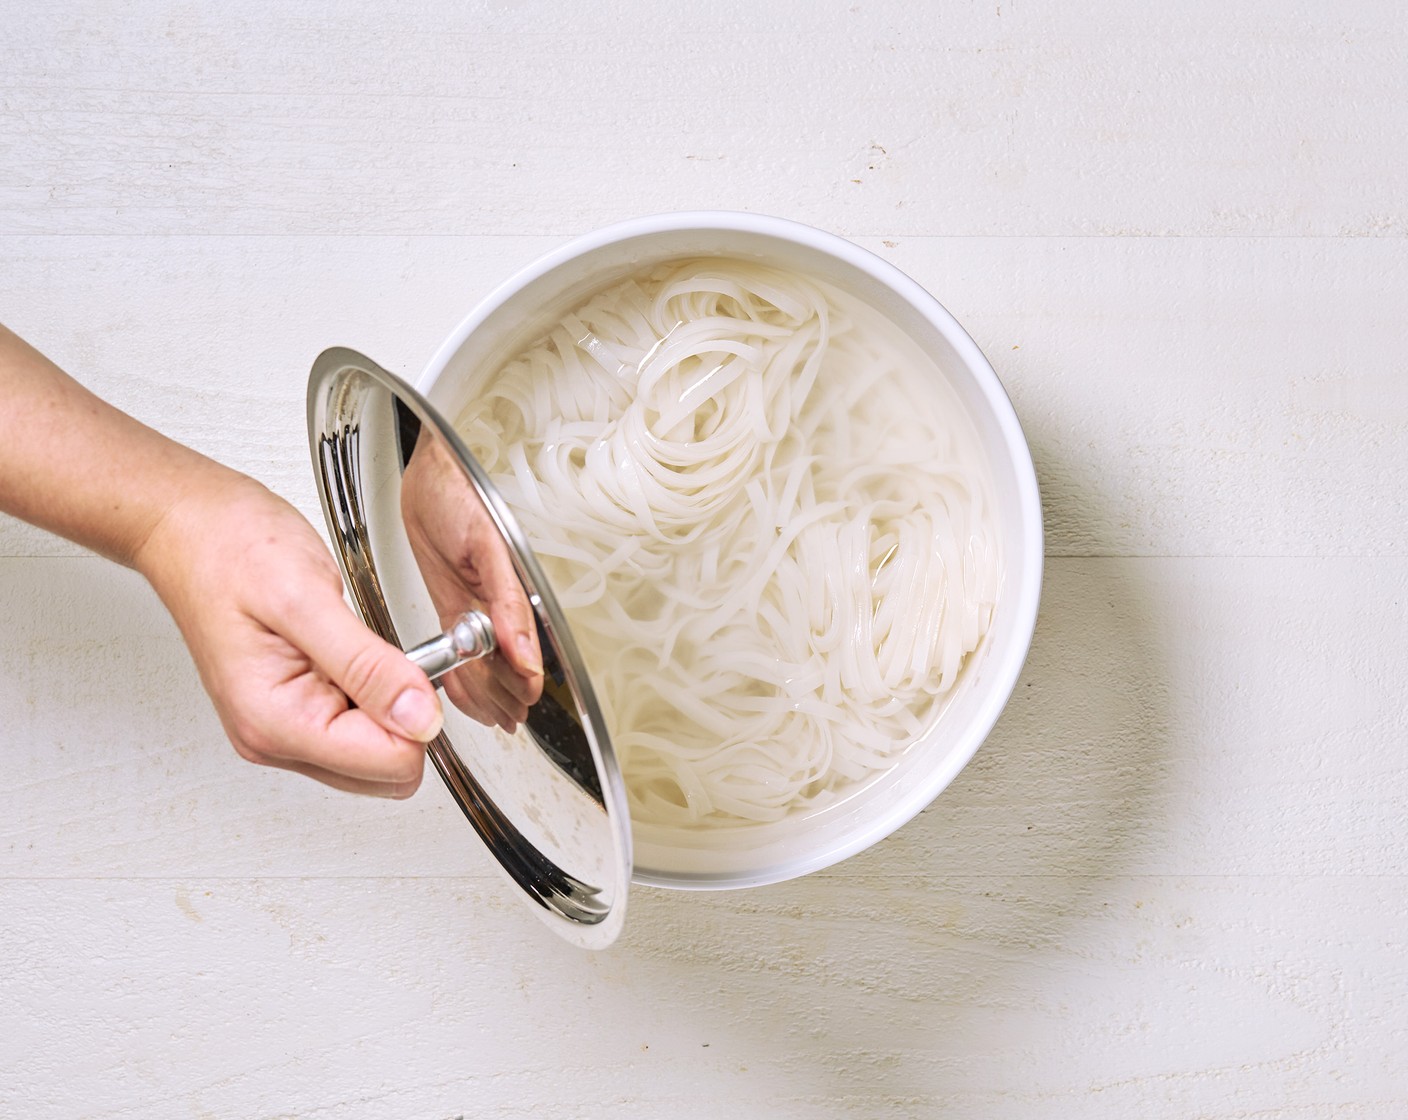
x,y
375,675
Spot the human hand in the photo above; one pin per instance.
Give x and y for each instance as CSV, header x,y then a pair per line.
x,y
298,682
466,565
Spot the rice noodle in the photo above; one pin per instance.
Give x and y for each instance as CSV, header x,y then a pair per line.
x,y
770,532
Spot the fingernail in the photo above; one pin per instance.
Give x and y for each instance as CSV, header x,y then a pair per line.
x,y
417,715
528,656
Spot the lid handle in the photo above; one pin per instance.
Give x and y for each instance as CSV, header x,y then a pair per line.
x,y
468,638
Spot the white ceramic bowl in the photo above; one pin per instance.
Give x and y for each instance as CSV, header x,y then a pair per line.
x,y
519,311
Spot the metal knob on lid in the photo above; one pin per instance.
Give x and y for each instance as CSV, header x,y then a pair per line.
x,y
547,801
468,638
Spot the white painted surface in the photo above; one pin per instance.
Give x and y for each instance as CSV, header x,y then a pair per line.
x,y
1173,882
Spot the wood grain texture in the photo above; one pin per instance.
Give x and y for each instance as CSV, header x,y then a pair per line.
x,y
1152,732
1173,407
867,118
993,996
1171,885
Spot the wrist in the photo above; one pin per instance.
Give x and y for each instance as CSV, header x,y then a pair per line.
x,y
167,552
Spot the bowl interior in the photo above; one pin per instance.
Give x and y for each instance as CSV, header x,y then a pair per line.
x,y
521,311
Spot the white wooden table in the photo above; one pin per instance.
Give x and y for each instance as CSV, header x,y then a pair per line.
x,y
1172,883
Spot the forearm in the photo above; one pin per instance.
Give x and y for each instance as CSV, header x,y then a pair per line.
x,y
73,464
297,680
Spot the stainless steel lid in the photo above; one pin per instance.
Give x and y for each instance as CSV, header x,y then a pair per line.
x,y
548,800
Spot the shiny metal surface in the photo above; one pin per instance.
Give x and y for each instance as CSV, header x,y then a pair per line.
x,y
548,800
468,638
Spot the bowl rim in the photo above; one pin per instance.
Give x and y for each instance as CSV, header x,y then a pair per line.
x,y
1007,663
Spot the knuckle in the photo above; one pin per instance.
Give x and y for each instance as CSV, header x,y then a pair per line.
x,y
251,742
284,597
287,598
364,672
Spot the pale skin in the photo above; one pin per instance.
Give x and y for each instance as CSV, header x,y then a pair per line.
x,y
297,681
465,564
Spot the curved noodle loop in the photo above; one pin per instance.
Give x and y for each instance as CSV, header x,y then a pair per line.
x,y
774,553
